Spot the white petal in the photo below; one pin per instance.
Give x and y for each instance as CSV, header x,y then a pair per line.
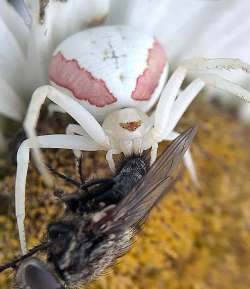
x,y
22,10
11,74
14,23
212,29
244,113
9,47
57,20
10,103
12,60
145,14
190,28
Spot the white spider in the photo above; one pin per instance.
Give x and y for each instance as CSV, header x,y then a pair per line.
x,y
107,79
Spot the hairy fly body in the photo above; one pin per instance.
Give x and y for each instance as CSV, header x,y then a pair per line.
x,y
100,221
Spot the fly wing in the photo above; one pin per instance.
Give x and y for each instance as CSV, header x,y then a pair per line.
x,y
134,208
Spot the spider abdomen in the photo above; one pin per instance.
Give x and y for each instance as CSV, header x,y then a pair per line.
x,y
110,67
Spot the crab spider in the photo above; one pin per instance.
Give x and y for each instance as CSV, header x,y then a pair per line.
x,y
107,79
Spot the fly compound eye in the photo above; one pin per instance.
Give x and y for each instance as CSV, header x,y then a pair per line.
x,y
34,274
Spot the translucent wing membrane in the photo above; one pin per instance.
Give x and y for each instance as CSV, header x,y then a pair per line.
x,y
138,203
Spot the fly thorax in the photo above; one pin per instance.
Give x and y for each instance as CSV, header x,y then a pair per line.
x,y
131,173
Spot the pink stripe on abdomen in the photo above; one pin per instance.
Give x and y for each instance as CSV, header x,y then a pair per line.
x,y
149,80
82,84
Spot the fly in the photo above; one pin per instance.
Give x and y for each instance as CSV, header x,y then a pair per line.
x,y
100,221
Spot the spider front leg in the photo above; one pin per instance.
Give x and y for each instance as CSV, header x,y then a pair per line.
x,y
167,99
188,160
228,64
161,115
46,141
110,159
188,94
165,129
181,104
69,105
75,129
170,108
166,118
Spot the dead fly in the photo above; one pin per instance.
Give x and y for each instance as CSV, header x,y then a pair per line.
x,y
100,221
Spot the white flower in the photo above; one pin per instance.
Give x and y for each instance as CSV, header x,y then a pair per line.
x,y
187,28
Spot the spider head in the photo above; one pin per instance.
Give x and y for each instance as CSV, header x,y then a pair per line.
x,y
125,127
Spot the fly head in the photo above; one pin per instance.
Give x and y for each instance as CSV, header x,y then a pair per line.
x,y
35,274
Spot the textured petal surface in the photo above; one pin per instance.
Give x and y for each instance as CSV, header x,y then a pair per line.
x,y
13,39
190,28
10,103
14,23
22,10
11,57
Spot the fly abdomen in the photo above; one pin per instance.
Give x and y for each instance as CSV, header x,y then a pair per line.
x,y
110,191
131,172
